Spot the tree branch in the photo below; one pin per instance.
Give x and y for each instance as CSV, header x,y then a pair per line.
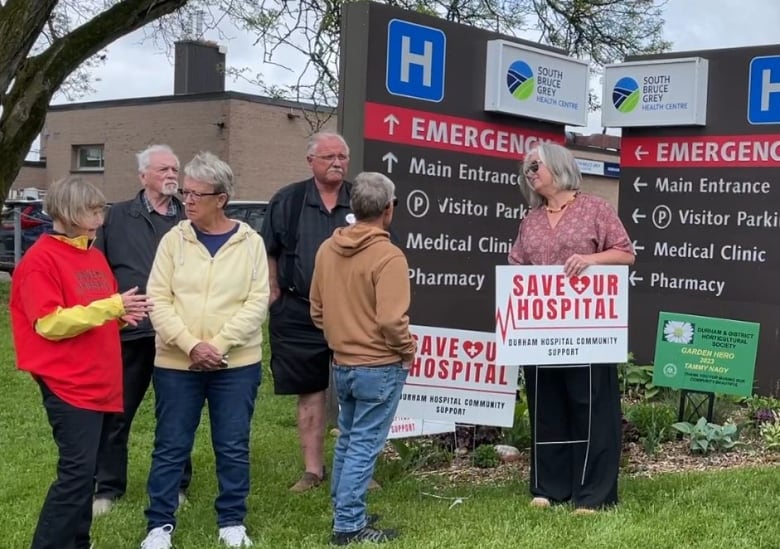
x,y
26,103
21,22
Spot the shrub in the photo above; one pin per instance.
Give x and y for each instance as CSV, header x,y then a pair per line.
x,y
652,443
469,436
770,431
637,381
653,423
420,454
762,409
653,419
485,457
519,435
764,415
704,437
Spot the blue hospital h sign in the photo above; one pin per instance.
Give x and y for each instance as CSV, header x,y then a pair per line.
x,y
415,61
764,90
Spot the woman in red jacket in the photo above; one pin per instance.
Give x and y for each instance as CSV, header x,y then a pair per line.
x,y
65,317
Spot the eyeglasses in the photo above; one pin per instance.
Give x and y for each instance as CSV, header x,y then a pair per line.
x,y
332,157
195,194
533,167
394,202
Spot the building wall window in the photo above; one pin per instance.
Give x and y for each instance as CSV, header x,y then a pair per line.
x,y
88,158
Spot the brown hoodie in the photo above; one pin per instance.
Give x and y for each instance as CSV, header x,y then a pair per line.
x,y
360,297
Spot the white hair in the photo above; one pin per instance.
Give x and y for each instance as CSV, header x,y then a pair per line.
x,y
145,156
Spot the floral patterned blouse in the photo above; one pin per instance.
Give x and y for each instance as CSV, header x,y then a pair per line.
x,y
588,225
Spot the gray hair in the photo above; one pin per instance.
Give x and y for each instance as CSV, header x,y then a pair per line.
x,y
315,139
71,199
561,164
206,167
145,156
372,193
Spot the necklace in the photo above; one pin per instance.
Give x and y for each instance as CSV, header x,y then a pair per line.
x,y
548,209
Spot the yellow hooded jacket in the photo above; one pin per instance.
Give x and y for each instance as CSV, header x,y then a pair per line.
x,y
222,300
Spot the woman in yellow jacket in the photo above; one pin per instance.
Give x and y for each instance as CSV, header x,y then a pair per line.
x,y
209,286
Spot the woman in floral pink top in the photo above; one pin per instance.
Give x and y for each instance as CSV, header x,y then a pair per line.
x,y
574,410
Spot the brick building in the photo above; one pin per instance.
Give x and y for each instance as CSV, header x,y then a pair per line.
x,y
262,139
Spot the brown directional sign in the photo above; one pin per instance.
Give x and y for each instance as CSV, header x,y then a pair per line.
x,y
702,204
413,107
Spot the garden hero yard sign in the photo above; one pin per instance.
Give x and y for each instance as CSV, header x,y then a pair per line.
x,y
709,355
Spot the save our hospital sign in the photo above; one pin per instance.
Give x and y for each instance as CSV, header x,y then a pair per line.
x,y
545,317
455,378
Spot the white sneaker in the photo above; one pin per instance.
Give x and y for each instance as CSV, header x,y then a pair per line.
x,y
101,506
158,538
234,536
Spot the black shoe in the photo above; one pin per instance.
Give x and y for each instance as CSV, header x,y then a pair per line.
x,y
369,534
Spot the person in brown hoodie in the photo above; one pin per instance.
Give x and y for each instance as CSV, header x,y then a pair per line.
x,y
360,297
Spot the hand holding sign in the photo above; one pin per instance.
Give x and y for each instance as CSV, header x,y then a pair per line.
x,y
577,263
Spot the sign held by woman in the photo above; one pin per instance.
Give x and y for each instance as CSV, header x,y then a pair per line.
x,y
546,317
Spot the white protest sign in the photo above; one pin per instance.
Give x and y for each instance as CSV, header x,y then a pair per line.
x,y
545,317
455,378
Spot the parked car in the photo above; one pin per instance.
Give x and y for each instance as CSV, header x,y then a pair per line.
x,y
250,211
34,222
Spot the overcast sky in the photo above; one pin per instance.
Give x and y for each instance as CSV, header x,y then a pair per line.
x,y
136,69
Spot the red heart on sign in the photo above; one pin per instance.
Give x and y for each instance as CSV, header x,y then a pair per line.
x,y
579,283
473,348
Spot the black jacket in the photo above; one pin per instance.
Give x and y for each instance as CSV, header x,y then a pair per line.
x,y
129,240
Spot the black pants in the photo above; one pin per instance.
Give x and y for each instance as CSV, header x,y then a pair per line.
x,y
66,515
111,475
576,433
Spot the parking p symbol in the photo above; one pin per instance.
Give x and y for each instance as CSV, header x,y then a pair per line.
x,y
662,216
418,203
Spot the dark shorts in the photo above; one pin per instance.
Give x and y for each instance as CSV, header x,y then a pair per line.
x,y
300,358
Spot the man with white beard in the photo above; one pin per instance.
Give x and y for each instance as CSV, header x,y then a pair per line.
x,y
129,237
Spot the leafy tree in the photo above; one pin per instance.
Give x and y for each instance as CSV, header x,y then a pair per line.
x,y
42,44
600,31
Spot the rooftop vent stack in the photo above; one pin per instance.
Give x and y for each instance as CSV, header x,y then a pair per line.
x,y
199,66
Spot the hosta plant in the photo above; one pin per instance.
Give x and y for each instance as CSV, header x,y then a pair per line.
x,y
704,437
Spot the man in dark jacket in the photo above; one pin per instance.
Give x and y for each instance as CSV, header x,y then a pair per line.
x,y
129,238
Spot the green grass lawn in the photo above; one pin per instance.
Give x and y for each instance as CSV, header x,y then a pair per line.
x,y
734,509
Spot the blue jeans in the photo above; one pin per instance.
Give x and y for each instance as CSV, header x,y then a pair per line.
x,y
368,398
179,398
